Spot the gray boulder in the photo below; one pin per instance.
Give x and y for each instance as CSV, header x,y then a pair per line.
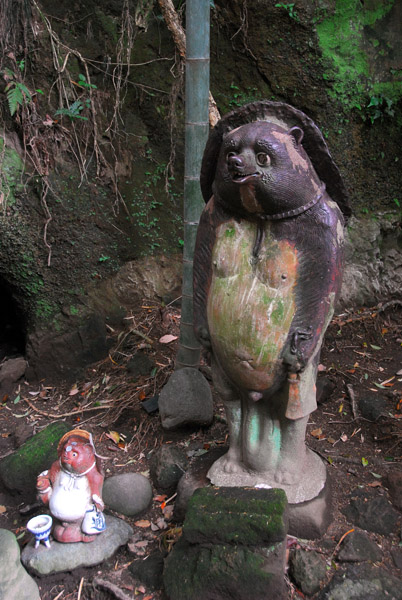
x,y
14,580
186,400
66,557
128,493
308,570
167,465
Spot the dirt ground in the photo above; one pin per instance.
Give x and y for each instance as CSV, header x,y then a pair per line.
x,y
362,356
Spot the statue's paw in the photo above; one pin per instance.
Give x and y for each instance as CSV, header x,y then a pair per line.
x,y
229,463
287,477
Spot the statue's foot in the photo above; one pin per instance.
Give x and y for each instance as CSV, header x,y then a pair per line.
x,y
70,532
287,476
228,463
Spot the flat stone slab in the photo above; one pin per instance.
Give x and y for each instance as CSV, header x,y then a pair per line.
x,y
66,557
308,520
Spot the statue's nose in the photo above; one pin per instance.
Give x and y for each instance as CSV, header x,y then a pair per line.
x,y
235,163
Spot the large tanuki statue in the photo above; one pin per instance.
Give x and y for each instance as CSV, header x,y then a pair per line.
x,y
267,272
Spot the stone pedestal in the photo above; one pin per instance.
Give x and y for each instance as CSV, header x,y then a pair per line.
x,y
308,520
233,546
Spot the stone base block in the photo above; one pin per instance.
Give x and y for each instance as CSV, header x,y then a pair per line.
x,y
307,520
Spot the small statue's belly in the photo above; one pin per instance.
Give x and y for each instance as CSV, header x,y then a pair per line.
x,y
251,303
70,498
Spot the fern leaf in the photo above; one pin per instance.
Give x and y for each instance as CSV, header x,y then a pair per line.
x,y
15,99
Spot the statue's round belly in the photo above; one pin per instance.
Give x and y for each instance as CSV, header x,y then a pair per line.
x,y
251,305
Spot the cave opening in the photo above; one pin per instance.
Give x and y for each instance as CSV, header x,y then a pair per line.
x,y
12,323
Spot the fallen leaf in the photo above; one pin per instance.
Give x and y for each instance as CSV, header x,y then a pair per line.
x,y
143,523
375,484
321,368
344,437
166,339
375,347
331,440
340,407
74,390
2,509
168,511
364,461
140,589
114,436
160,498
316,432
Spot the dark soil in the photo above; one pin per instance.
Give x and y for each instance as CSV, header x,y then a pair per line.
x,y
361,358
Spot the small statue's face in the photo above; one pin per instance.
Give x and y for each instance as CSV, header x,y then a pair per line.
x,y
76,457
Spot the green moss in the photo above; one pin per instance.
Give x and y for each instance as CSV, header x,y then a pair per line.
x,y
343,40
11,170
228,515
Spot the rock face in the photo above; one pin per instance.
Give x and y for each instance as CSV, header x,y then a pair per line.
x,y
10,372
232,546
372,513
357,547
66,557
128,493
362,582
14,580
186,400
167,467
308,570
20,469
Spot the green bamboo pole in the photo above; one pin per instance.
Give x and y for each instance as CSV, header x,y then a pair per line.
x,y
196,134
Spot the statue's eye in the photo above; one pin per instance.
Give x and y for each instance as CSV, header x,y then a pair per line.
x,y
75,454
263,159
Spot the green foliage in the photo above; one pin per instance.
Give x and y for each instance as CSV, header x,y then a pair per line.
x,y
379,106
17,92
290,9
240,97
74,110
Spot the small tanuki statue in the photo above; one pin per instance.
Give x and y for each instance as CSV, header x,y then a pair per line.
x,y
267,271
72,488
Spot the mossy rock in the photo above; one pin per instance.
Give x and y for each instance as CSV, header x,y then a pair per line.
x,y
20,469
228,515
224,572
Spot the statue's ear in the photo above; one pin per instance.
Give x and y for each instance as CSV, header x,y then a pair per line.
x,y
297,134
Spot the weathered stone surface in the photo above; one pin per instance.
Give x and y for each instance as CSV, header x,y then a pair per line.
x,y
357,546
12,370
373,514
20,469
362,582
68,353
246,516
232,547
372,406
186,400
127,493
396,554
167,466
308,570
66,557
224,572
394,485
15,583
149,571
308,520
140,364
